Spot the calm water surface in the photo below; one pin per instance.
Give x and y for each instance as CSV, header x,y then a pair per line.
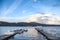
x,y
32,34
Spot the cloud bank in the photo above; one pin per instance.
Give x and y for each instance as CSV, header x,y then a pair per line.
x,y
38,17
43,18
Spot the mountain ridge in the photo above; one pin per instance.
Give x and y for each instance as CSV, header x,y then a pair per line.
x,y
25,24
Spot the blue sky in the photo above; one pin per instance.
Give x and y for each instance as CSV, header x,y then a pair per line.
x,y
23,8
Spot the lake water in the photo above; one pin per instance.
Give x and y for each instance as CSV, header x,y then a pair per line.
x,y
31,34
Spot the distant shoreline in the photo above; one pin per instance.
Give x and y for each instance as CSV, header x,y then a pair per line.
x,y
25,24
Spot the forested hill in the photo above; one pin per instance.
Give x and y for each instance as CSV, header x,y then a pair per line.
x,y
2,23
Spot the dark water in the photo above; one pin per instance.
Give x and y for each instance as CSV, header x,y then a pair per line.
x,y
32,34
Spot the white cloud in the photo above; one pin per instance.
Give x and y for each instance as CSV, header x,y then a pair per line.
x,y
44,18
10,19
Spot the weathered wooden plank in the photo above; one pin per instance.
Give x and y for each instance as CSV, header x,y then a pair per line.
x,y
10,34
6,37
48,36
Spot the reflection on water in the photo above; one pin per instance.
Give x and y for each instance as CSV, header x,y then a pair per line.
x,y
32,34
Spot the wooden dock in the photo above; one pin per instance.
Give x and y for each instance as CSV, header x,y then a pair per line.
x,y
6,37
13,33
48,36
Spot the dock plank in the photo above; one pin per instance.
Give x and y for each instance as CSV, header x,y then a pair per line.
x,y
47,35
6,37
10,34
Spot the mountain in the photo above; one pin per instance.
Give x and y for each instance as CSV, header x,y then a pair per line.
x,y
24,24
